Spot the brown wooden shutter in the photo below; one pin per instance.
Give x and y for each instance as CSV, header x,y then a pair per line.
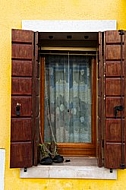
x,y
114,99
23,109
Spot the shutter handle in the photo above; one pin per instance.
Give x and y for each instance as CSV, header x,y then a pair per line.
x,y
18,106
118,108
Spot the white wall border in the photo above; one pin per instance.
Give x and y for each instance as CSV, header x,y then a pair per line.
x,y
69,25
2,168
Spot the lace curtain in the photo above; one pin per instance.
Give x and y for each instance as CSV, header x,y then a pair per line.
x,y
67,98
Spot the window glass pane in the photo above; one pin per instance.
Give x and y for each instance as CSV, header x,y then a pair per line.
x,y
67,98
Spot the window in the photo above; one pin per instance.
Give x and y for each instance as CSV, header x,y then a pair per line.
x,y
67,61
107,100
69,101
68,98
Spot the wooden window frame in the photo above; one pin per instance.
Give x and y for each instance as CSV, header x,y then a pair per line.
x,y
72,149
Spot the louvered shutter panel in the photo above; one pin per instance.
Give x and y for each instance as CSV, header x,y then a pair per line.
x,y
115,99
100,101
23,100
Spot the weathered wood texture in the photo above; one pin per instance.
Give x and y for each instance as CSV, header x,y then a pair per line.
x,y
36,100
100,102
21,151
115,95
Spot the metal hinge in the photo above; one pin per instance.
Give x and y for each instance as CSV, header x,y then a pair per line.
x,y
25,169
121,32
122,166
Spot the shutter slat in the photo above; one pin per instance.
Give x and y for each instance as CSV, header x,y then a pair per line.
x,y
22,154
24,68
113,86
113,68
113,52
24,126
22,36
113,130
22,86
22,51
113,37
112,155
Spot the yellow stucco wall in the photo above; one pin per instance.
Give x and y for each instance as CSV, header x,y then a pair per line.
x,y
11,14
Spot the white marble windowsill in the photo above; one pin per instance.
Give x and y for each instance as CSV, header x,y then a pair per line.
x,y
78,167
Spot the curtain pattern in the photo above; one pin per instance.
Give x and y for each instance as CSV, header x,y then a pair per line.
x,y
67,98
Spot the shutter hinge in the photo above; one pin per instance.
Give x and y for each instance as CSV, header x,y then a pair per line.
x,y
111,170
102,143
25,169
121,32
122,166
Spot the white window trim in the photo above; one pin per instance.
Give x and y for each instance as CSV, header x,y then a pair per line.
x,y
69,25
65,170
2,168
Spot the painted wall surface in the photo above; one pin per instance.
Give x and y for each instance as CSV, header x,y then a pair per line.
x,y
11,15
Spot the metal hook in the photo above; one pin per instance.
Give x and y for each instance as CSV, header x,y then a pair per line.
x,y
18,106
118,108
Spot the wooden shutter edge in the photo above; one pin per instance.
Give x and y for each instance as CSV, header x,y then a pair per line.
x,y
100,102
36,100
123,143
